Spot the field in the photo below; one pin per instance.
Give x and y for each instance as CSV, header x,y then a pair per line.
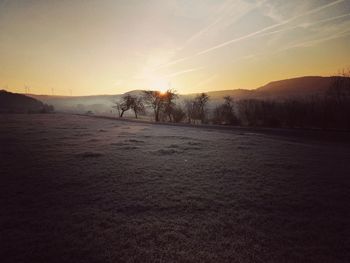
x,y
83,189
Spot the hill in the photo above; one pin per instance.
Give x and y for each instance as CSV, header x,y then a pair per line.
x,y
18,103
295,87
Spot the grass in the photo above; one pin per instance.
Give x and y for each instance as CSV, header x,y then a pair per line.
x,y
138,192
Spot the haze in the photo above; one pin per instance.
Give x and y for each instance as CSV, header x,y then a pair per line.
x,y
110,47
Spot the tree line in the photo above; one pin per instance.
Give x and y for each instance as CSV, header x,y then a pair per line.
x,y
330,110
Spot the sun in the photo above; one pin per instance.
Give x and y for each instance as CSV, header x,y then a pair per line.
x,y
160,84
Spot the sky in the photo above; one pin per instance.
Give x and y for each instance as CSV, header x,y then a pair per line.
x,y
87,47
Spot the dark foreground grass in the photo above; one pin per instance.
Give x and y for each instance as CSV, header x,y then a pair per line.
x,y
78,189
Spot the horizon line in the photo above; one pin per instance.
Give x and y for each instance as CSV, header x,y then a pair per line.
x,y
187,93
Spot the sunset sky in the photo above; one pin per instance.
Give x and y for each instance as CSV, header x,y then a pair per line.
x,y
87,47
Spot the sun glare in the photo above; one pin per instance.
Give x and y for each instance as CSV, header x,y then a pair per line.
x,y
160,84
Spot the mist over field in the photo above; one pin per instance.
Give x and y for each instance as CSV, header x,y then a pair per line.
x,y
280,90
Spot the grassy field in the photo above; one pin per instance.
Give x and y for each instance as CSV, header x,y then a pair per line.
x,y
82,189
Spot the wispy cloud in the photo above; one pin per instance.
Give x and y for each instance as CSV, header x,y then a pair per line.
x,y
226,43
231,11
261,32
324,20
223,14
313,42
171,63
342,33
181,72
304,25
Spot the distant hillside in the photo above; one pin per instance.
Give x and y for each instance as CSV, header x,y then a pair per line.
x,y
218,95
295,87
282,89
18,103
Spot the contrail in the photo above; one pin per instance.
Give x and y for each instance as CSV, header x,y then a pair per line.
x,y
305,25
341,34
327,20
206,29
256,33
344,33
221,18
172,63
269,27
183,72
230,4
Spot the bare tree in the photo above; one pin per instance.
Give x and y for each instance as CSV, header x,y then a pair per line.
x,y
137,106
160,102
178,114
201,101
117,106
169,103
124,105
190,110
155,100
340,87
225,114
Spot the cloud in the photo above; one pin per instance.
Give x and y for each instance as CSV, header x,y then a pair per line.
x,y
305,25
226,18
260,32
226,43
324,20
313,42
228,5
175,74
231,11
342,33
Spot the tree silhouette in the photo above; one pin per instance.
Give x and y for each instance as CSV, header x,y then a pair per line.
x,y
154,99
190,110
137,106
178,114
160,102
200,104
124,104
169,103
225,114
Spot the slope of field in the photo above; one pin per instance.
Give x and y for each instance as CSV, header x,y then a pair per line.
x,y
14,102
80,189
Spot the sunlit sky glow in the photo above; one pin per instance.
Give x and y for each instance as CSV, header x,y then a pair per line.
x,y
109,46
